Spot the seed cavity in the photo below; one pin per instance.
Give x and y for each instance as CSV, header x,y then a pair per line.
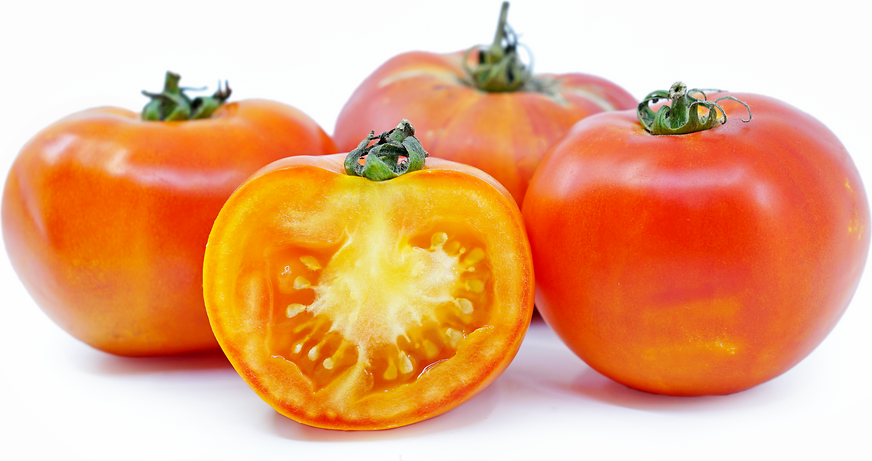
x,y
430,349
313,325
333,317
475,285
390,373
452,247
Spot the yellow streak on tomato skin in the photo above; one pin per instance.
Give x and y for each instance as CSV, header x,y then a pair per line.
x,y
855,227
691,332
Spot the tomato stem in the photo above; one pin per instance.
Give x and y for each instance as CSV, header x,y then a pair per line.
x,y
383,158
499,68
172,104
686,114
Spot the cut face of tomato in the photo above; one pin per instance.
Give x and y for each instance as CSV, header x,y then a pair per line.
x,y
392,305
352,304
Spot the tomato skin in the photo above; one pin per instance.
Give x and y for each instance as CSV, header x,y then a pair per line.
x,y
106,217
697,264
266,211
503,134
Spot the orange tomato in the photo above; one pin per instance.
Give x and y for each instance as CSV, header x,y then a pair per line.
x,y
106,216
502,130
701,263
347,303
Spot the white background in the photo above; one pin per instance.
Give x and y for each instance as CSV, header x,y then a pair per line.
x,y
63,399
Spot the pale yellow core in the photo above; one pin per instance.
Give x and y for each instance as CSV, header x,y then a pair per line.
x,y
382,303
377,286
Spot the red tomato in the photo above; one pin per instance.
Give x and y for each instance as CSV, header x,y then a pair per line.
x,y
703,263
490,125
106,216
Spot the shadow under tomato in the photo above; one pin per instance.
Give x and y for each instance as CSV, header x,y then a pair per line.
x,y
108,364
591,384
469,413
546,371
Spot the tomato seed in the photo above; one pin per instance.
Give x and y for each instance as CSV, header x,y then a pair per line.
x,y
474,256
301,283
310,262
294,309
465,305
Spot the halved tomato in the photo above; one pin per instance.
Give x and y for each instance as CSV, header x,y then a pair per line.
x,y
348,303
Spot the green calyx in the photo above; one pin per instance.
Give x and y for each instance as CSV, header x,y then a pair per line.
x,y
686,113
383,158
499,68
172,104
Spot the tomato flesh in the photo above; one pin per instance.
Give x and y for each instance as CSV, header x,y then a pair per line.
x,y
385,305
351,304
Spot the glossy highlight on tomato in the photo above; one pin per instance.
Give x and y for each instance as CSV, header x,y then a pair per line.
x,y
352,304
701,263
106,216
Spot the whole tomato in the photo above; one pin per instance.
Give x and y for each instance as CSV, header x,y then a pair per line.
x,y
698,263
106,215
483,108
371,302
